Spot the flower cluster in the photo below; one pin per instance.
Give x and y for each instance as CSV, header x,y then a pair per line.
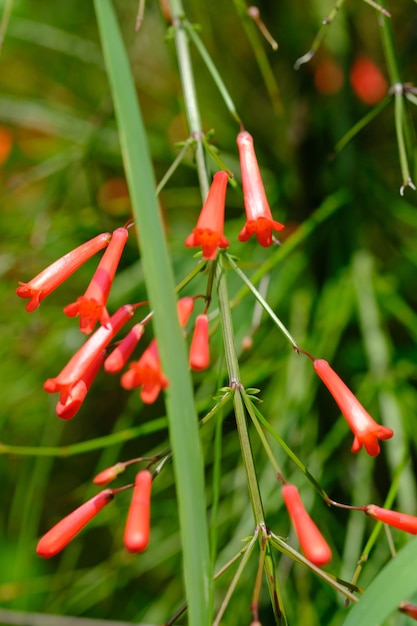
x,y
259,221
75,379
137,529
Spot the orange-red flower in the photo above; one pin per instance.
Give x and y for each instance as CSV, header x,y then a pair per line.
x,y
403,521
367,80
137,530
91,307
366,431
312,542
199,357
62,533
209,230
259,219
109,474
146,373
71,399
408,609
121,354
82,360
185,306
55,274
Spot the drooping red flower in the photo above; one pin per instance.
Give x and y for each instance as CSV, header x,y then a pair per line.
x,y
55,274
62,533
367,80
82,360
147,374
312,542
109,474
408,609
137,530
185,306
199,357
259,219
118,358
403,521
91,307
71,399
209,230
365,430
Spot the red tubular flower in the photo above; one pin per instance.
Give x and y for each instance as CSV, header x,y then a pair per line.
x,y
199,350
147,374
311,540
366,431
405,522
408,609
54,275
137,530
71,399
82,360
185,306
259,219
62,533
91,307
121,354
209,230
368,82
109,474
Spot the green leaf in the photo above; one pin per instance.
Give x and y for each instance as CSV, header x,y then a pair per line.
x,y
157,266
396,582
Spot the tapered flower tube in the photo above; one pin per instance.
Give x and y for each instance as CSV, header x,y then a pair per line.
x,y
91,307
118,358
408,609
109,474
259,221
55,274
146,373
403,521
82,360
71,399
312,542
199,357
137,529
209,230
62,533
185,306
365,430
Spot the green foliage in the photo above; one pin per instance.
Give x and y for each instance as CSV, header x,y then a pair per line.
x,y
341,285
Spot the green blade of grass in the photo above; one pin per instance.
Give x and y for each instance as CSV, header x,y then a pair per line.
x,y
187,455
396,582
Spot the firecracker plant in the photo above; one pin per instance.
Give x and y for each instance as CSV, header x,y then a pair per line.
x,y
159,346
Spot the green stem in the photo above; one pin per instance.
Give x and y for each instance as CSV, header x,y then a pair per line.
x,y
234,381
213,70
397,88
189,91
262,302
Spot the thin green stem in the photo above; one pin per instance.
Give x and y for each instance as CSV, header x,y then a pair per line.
x,y
364,121
195,38
249,407
247,552
397,88
235,383
260,55
262,302
320,35
189,91
174,165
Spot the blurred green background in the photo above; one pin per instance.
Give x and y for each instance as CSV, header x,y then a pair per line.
x,y
345,288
